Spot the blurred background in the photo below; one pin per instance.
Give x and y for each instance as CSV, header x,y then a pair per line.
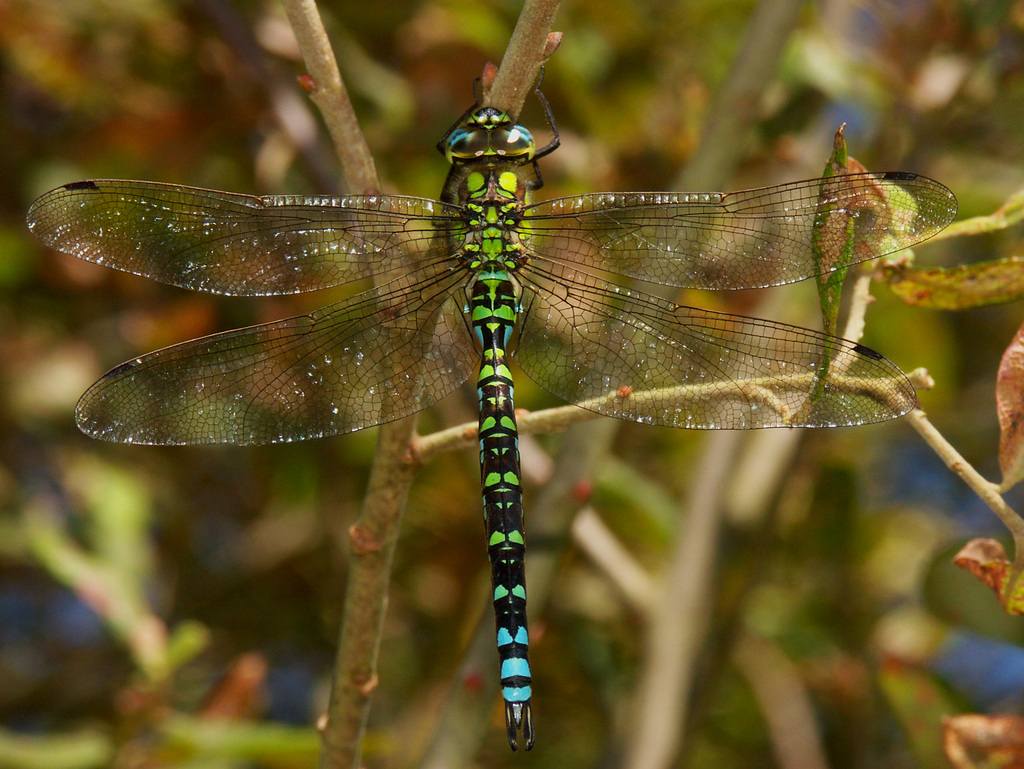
x,y
138,583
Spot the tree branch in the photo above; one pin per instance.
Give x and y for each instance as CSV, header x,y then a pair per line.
x,y
328,93
724,137
526,53
987,491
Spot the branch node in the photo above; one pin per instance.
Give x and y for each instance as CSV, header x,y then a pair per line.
x,y
366,685
550,46
363,540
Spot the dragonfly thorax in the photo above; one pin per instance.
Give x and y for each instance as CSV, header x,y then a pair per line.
x,y
493,203
489,134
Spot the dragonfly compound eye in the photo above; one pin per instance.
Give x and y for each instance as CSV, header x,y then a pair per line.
x,y
468,143
506,142
490,133
514,142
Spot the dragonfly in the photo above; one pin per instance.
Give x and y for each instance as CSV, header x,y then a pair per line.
x,y
481,276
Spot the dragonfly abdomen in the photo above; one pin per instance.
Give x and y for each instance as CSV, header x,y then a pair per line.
x,y
493,311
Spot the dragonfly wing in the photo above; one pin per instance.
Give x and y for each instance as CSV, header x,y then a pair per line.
x,y
746,239
641,358
379,356
226,243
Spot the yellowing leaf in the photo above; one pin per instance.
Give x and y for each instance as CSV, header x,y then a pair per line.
x,y
984,742
958,288
986,559
1010,410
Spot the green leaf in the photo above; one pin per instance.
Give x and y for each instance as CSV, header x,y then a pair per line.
x,y
835,225
85,749
832,263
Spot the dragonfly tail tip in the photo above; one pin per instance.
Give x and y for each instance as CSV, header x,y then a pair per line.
x,y
519,715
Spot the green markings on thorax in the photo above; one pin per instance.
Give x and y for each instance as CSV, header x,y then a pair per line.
x,y
491,202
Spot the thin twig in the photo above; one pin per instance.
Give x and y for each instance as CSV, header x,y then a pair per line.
x,y
785,703
329,94
724,137
374,538
679,622
988,492
776,392
524,56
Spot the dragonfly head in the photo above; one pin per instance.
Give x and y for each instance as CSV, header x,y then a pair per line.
x,y
488,134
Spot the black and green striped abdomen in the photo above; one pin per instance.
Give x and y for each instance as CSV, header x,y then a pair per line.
x,y
493,317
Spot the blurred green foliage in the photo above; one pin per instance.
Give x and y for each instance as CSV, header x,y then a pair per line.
x,y
212,553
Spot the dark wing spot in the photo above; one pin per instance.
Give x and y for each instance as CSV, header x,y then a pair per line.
x,y
85,185
122,368
867,352
899,176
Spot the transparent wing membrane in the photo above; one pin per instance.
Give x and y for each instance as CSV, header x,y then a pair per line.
x,y
746,239
225,243
634,356
382,355
393,350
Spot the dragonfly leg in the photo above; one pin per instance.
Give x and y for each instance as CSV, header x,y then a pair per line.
x,y
556,141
